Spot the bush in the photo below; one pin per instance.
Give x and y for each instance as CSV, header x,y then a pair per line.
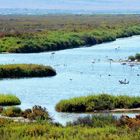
x,y
94,121
85,121
132,123
12,112
35,130
37,113
4,122
124,102
7,100
132,58
26,112
104,102
137,56
1,109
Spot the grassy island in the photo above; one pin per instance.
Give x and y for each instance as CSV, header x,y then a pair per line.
x,y
98,103
46,33
8,100
25,70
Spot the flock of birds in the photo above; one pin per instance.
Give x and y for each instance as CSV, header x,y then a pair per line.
x,y
124,82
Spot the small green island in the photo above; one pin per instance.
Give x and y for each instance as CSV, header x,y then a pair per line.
x,y
9,99
25,70
135,58
98,103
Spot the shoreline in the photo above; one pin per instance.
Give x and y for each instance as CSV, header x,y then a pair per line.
x,y
81,46
136,110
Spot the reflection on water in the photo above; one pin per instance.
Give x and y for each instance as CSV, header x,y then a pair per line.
x,y
81,71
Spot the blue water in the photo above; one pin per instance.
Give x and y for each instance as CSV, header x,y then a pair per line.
x,y
41,7
76,64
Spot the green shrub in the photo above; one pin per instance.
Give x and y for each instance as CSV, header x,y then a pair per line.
x,y
94,121
137,56
35,130
7,100
132,58
36,113
12,112
26,112
4,122
1,109
124,102
104,102
103,120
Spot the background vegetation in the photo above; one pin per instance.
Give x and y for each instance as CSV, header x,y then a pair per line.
x,y
46,33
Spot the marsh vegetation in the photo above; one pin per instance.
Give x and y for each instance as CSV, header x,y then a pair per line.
x,y
9,99
101,102
93,127
48,33
25,70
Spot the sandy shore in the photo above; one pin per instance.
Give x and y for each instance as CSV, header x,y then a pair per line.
x,y
125,110
17,119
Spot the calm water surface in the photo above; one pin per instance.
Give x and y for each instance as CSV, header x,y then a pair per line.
x,y
88,68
